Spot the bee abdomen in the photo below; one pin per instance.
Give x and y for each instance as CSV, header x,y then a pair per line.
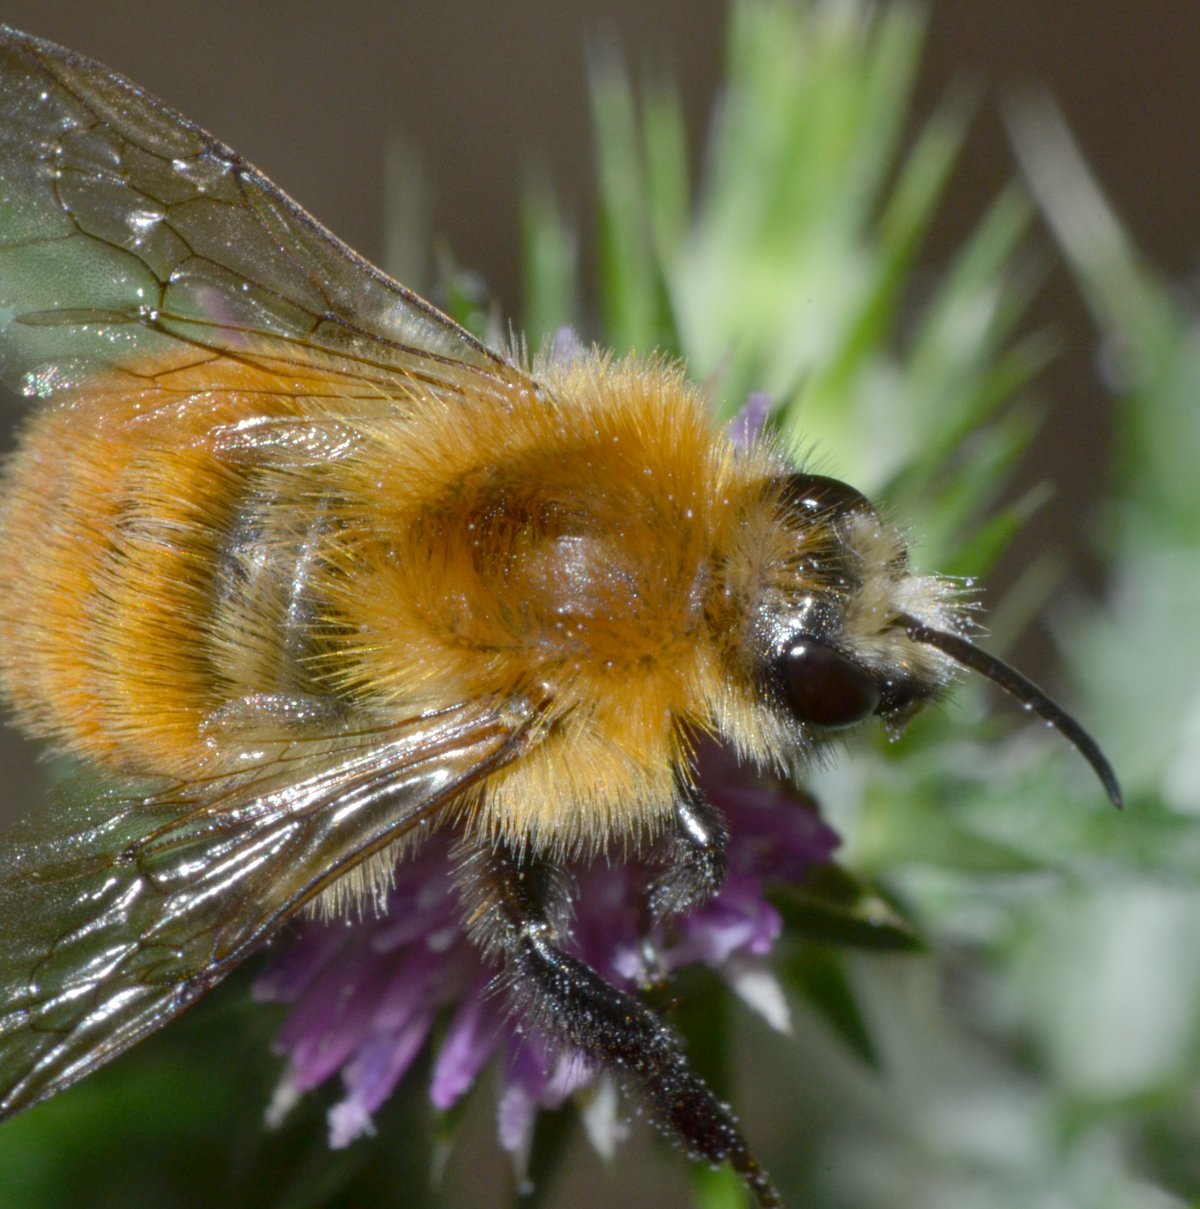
x,y
138,575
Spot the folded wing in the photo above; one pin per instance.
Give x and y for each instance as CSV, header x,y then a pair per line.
x,y
118,910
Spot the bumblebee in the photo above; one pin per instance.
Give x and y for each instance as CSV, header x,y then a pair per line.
x,y
309,573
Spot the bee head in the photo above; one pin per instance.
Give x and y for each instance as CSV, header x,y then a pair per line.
x,y
846,631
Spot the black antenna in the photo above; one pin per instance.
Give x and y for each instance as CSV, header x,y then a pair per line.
x,y
963,651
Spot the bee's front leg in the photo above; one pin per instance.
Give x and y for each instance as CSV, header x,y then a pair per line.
x,y
693,860
693,863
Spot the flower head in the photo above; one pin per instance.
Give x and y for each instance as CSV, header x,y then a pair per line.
x,y
365,995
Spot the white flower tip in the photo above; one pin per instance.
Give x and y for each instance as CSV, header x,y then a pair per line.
x,y
284,1098
566,346
514,1122
348,1121
759,989
605,1127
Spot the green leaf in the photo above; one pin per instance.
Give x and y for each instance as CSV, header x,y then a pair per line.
x,y
631,288
718,1188
834,907
551,1135
551,264
816,973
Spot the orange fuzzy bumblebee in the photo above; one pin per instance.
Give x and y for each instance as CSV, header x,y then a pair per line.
x,y
309,571
592,543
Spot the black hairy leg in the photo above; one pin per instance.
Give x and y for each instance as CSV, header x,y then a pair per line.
x,y
693,860
692,867
515,908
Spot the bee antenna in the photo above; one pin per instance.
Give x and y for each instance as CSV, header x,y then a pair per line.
x,y
965,652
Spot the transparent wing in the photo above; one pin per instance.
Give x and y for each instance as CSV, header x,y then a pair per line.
x,y
137,251
118,911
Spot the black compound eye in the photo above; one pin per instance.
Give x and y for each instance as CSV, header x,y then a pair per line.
x,y
822,687
810,494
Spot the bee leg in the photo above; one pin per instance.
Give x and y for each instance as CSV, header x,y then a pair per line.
x,y
693,868
512,908
693,861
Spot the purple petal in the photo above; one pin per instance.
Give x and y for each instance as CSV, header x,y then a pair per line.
x,y
536,1079
298,963
330,1022
419,910
775,832
529,1064
373,1074
565,346
738,918
352,1000
407,991
745,427
570,1072
470,1039
607,918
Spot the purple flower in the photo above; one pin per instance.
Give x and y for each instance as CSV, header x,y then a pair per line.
x,y
365,995
746,427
